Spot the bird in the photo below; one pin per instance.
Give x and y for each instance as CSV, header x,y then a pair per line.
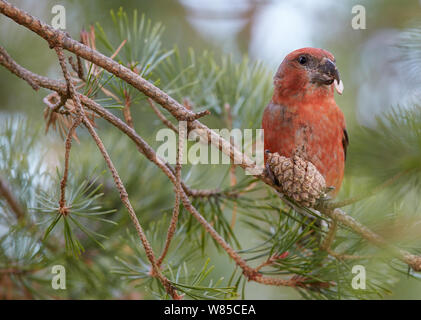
x,y
303,118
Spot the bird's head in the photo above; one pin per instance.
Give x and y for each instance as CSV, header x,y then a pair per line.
x,y
308,69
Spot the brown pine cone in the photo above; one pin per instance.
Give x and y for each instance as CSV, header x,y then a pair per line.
x,y
299,179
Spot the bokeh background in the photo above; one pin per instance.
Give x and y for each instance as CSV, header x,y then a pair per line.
x,y
372,66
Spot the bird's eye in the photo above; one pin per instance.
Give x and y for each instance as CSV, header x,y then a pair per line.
x,y
302,59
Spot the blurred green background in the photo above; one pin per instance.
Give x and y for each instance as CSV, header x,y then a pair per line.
x,y
369,62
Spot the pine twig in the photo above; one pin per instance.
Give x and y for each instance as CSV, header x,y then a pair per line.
x,y
233,178
63,209
126,110
71,92
271,260
178,188
77,67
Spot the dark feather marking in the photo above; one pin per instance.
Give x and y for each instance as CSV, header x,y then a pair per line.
x,y
345,141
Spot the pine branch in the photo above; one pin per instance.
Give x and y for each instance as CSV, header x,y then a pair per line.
x,y
126,110
178,188
233,178
68,145
58,38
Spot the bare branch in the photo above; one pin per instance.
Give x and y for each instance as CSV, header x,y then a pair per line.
x,y
63,209
233,178
126,110
178,189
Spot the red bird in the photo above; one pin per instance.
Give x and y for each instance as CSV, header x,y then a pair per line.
x,y
302,118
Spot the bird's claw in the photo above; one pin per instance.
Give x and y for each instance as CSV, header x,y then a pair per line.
x,y
325,196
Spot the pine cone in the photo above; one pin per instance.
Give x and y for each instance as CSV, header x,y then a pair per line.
x,y
299,179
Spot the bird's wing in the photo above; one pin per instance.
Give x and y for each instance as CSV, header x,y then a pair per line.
x,y
345,141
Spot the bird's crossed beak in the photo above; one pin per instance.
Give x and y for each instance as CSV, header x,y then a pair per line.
x,y
327,73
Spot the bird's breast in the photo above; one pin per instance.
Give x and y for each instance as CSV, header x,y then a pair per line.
x,y
313,132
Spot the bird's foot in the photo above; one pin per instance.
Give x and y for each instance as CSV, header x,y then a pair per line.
x,y
325,197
